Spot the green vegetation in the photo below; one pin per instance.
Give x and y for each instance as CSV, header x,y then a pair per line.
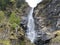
x,y
10,13
22,43
5,42
14,19
20,3
14,25
1,16
3,4
12,0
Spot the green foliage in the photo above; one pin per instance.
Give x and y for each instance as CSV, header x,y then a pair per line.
x,y
14,20
20,3
12,0
3,3
2,16
14,25
22,43
5,42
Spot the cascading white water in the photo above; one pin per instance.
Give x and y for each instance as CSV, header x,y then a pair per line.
x,y
31,26
33,3
30,31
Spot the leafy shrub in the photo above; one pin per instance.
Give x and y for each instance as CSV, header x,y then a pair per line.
x,y
14,20
14,25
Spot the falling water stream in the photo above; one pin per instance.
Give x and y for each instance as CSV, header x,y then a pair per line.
x,y
30,31
31,34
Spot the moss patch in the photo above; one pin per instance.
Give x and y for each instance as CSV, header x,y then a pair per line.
x,y
57,38
5,42
1,16
22,43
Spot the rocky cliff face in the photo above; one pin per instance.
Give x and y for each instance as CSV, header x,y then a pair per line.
x,y
47,19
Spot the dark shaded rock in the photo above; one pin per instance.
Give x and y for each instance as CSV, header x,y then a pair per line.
x,y
41,42
23,23
24,19
19,3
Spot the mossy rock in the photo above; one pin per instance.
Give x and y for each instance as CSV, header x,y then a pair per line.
x,y
56,40
21,33
22,43
1,30
13,36
57,32
5,42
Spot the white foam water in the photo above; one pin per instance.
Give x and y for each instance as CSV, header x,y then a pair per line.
x,y
31,34
33,3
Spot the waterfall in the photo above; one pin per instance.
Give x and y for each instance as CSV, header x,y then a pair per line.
x,y
30,31
31,34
